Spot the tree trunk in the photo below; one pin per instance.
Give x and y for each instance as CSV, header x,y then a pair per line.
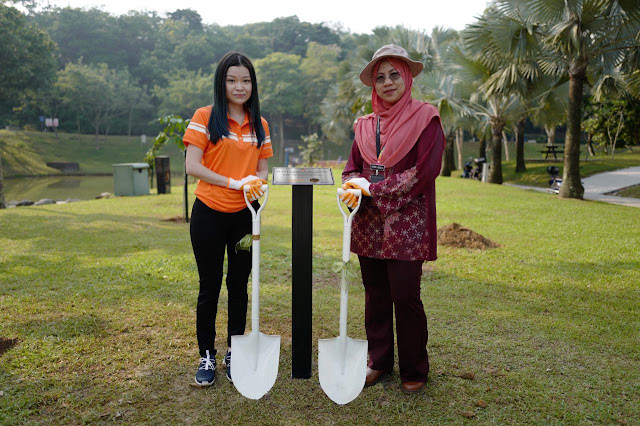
x,y
96,126
186,190
281,131
592,152
520,166
495,173
482,152
2,204
571,186
459,138
506,147
129,130
448,162
551,134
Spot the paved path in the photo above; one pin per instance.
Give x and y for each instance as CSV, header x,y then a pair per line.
x,y
597,186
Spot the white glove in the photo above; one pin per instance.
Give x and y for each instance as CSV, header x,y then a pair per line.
x,y
358,183
239,184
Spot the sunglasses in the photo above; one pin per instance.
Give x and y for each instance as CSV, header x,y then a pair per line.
x,y
393,76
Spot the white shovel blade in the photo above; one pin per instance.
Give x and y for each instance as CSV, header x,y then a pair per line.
x,y
254,363
342,385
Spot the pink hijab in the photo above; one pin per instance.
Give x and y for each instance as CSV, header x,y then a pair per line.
x,y
400,124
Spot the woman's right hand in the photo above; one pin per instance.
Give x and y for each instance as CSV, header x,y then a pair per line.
x,y
350,199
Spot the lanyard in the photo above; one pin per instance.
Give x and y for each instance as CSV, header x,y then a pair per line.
x,y
378,139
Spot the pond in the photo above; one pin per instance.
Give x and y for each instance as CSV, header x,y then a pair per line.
x,y
63,187
56,187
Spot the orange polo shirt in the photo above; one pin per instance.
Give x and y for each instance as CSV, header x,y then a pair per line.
x,y
235,156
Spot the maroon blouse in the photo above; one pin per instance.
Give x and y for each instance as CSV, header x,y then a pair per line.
x,y
398,221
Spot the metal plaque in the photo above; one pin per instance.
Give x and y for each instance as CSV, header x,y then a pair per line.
x,y
302,176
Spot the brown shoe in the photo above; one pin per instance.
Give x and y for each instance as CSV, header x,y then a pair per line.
x,y
373,376
412,387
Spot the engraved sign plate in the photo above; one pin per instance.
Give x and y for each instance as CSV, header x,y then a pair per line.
x,y
302,176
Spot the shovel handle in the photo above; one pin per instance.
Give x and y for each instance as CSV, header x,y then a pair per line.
x,y
357,193
254,213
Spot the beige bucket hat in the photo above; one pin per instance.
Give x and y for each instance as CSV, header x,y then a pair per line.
x,y
389,51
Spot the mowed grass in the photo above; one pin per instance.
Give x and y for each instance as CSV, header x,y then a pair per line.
x,y
101,295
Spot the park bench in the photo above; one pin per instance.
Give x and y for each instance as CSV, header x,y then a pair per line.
x,y
552,149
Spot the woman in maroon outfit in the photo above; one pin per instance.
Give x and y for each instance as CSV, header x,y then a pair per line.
x,y
395,159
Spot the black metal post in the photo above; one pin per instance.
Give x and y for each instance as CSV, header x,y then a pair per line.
x,y
302,228
186,190
163,174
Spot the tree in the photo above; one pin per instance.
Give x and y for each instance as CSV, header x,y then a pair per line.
x,y
580,38
280,84
320,70
312,148
551,111
612,121
190,16
173,131
28,64
96,93
510,51
186,92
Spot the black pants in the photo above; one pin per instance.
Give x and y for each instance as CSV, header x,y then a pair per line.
x,y
211,232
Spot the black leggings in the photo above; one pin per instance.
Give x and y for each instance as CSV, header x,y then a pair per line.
x,y
211,232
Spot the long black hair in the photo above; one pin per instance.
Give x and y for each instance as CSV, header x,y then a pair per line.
x,y
218,124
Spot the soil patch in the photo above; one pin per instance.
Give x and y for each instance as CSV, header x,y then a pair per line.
x,y
175,219
6,344
458,236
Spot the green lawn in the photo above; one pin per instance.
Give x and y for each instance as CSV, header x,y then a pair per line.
x,y
101,295
632,191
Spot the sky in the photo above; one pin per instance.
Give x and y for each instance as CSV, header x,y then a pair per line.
x,y
359,16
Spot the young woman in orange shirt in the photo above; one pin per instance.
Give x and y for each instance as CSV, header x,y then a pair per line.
x,y
227,146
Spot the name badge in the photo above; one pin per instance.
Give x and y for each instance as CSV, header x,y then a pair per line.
x,y
377,177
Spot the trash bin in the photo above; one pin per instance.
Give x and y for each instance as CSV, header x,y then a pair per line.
x,y
163,174
131,179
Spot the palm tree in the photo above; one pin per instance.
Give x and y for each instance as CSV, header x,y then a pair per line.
x,y
440,86
551,110
509,50
496,107
580,37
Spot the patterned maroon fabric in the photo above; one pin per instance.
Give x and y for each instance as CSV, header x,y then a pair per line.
x,y
398,221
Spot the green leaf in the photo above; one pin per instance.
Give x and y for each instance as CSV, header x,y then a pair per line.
x,y
348,268
244,243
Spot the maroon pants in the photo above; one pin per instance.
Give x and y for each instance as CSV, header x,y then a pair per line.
x,y
390,283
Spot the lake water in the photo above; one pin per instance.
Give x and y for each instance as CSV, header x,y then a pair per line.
x,y
56,188
63,187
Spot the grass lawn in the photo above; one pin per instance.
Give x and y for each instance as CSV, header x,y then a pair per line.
x,y
101,296
632,191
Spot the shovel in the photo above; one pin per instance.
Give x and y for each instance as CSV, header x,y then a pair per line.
x,y
255,356
342,361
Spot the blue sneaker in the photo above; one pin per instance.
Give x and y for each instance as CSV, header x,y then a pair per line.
x,y
206,374
227,363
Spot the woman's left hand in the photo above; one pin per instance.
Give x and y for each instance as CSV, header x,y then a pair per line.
x,y
358,183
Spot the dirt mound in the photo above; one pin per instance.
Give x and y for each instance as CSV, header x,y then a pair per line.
x,y
6,344
458,236
175,219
